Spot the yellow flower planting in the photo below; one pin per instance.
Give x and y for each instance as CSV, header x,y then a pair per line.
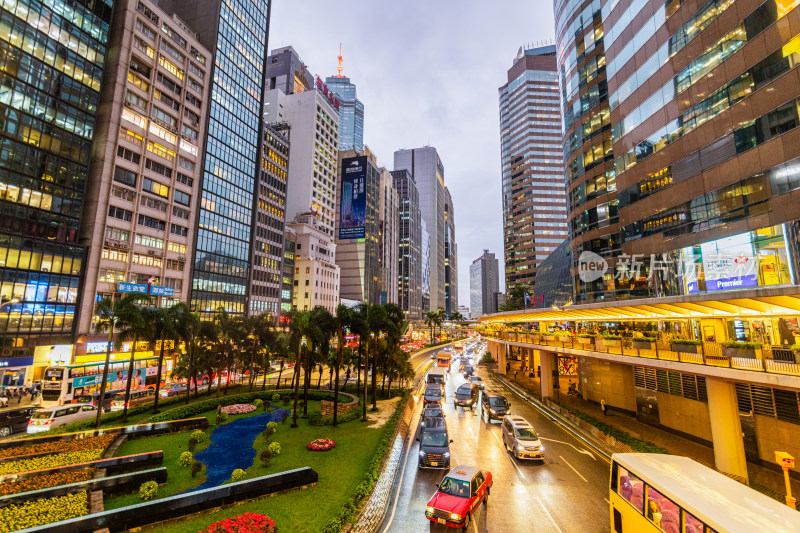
x,y
75,445
50,461
39,512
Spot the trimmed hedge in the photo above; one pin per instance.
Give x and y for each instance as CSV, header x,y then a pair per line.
x,y
687,342
742,345
345,515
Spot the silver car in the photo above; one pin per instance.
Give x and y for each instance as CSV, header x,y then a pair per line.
x,y
521,439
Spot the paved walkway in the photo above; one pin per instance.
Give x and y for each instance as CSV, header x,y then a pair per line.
x,y
676,445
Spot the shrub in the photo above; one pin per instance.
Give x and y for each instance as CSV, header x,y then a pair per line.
x,y
49,461
45,481
265,456
44,511
276,397
75,445
585,335
688,342
286,399
268,432
197,467
237,475
199,435
742,345
243,523
258,403
148,490
275,448
186,459
611,337
192,444
273,426
222,417
487,358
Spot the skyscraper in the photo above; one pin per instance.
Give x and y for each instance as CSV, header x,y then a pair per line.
x,y
351,111
534,197
232,146
51,85
389,244
145,173
409,244
484,284
427,172
450,256
287,72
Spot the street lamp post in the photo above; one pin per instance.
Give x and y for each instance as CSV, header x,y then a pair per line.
x,y
787,461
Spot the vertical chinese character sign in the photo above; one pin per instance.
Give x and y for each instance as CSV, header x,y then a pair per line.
x,y
353,207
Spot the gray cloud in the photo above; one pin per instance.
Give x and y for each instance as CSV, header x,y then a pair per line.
x,y
428,73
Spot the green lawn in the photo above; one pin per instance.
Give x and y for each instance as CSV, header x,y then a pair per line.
x,y
340,471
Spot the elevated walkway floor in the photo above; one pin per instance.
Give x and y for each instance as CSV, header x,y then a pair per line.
x,y
769,477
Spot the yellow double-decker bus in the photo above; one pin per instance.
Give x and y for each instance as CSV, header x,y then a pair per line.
x,y
672,494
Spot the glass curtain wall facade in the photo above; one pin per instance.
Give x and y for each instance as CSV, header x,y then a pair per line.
x,y
233,141
409,243
450,256
351,114
52,57
534,200
484,284
593,208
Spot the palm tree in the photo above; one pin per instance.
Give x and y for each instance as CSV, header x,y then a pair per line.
x,y
133,328
431,319
112,314
280,347
373,321
186,326
161,322
258,338
299,326
341,321
230,333
456,316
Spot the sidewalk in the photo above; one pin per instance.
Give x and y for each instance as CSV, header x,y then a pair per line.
x,y
26,402
676,445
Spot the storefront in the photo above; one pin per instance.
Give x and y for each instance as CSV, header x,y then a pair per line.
x,y
14,370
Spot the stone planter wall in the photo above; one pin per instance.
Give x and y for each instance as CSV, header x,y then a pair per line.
x,y
643,345
685,348
326,406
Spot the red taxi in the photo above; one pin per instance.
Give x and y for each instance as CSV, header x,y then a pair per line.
x,y
459,494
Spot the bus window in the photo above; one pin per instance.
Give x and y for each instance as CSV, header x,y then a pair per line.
x,y
631,488
54,373
691,524
662,512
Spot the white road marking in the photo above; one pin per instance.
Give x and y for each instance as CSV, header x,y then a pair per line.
x,y
579,450
573,469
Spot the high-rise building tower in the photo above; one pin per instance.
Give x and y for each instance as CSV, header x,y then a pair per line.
x,y
287,72
142,197
450,256
232,146
427,172
52,74
484,284
409,243
316,276
351,111
389,244
534,198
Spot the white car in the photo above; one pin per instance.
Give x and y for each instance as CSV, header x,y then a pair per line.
x,y
46,419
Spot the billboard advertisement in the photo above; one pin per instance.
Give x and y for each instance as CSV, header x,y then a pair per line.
x,y
353,207
729,263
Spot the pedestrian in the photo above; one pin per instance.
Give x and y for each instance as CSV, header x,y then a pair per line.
x,y
603,406
515,375
508,367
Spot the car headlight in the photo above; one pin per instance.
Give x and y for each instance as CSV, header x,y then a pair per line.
x,y
422,455
455,516
446,455
430,509
493,411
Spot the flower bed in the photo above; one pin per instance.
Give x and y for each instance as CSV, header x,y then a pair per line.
x,y
243,523
75,445
45,481
44,511
50,461
239,409
321,445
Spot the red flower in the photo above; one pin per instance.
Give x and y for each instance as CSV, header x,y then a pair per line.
x,y
243,523
321,445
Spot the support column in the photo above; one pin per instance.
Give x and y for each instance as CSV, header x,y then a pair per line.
x,y
501,358
726,428
531,360
548,364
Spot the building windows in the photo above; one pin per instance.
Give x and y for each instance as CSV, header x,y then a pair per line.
x,y
128,155
160,150
173,264
188,147
134,118
158,168
145,30
152,242
185,180
164,118
182,198
185,163
146,260
154,187
108,275
131,136
151,222
180,213
138,81
112,254
176,247
178,230
116,234
123,194
171,67
168,83
158,131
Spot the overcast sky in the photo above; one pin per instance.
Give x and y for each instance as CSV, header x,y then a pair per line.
x,y
427,72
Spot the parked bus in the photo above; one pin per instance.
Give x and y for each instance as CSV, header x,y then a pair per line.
x,y
668,493
64,384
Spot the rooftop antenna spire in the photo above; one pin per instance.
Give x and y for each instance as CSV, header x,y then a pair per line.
x,y
339,68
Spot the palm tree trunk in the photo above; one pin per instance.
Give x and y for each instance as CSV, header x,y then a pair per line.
x,y
266,367
330,377
336,383
306,383
358,369
296,386
375,376
189,374
366,382
158,377
130,377
105,376
280,372
319,380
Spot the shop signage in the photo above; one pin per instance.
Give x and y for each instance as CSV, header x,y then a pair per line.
x,y
13,362
136,288
155,290
729,263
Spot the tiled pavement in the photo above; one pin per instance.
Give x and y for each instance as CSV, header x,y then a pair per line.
x,y
675,444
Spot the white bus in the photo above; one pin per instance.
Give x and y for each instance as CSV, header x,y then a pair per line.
x,y
672,494
69,383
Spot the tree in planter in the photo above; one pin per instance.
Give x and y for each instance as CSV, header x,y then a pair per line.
x,y
340,323
299,327
133,328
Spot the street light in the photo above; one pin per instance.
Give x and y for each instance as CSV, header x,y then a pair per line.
x,y
786,461
12,301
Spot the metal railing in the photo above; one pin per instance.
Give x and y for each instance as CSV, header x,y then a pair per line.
x,y
705,353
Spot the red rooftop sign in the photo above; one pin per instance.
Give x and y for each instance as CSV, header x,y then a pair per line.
x,y
330,95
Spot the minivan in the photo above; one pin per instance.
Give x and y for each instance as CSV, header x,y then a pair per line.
x,y
521,439
138,397
466,395
494,405
51,417
14,420
433,393
434,445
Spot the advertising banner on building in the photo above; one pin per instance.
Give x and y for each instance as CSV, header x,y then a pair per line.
x,y
353,207
729,263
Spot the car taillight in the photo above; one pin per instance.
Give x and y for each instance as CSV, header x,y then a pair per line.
x,y
48,422
127,404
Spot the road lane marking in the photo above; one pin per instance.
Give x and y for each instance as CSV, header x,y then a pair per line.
x,y
579,450
547,512
513,461
573,469
400,483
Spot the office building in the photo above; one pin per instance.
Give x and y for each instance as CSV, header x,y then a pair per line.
x,y
313,159
484,285
287,274
351,111
142,194
427,171
534,198
388,242
450,256
409,238
357,226
50,96
553,281
287,72
425,267
232,146
316,276
464,310
269,210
